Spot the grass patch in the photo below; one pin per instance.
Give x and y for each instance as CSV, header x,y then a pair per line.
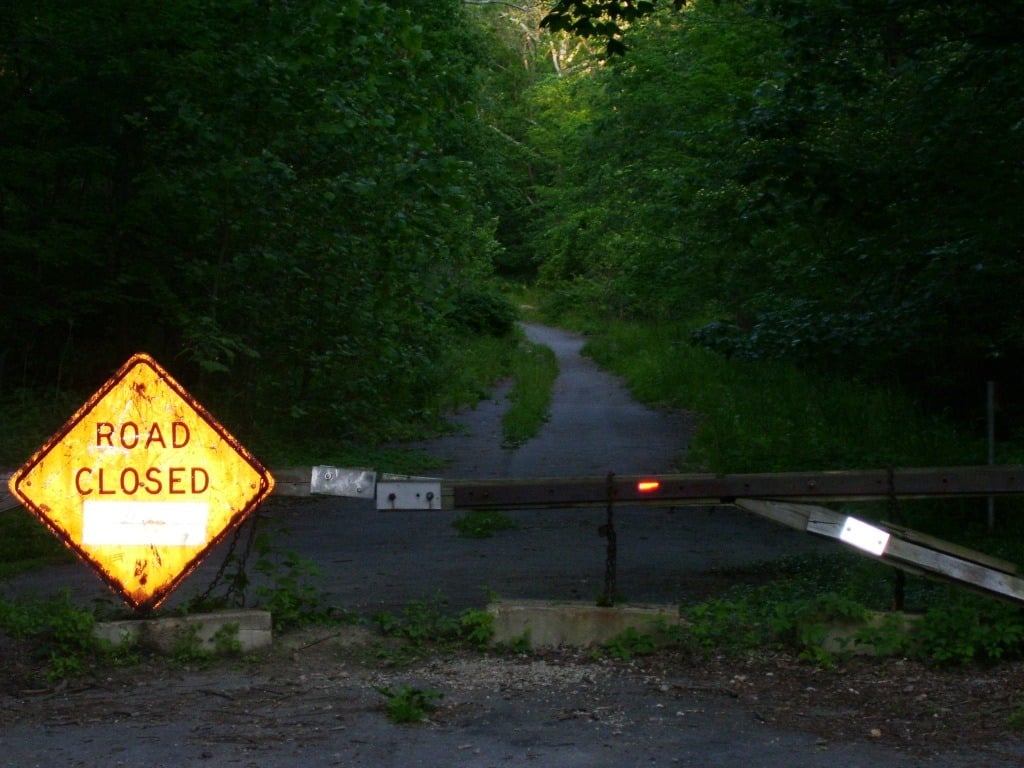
x,y
470,370
58,632
474,367
630,644
535,369
482,523
771,417
794,610
426,626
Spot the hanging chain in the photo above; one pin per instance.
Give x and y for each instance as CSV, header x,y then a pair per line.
x,y
235,594
611,549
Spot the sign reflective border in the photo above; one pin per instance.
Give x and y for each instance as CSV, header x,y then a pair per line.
x,y
141,483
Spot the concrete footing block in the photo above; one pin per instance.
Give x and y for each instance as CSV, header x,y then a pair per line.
x,y
550,624
218,631
842,635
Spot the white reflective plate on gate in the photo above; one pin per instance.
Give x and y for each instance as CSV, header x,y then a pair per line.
x,y
864,536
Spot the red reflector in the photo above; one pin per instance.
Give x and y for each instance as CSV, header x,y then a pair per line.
x,y
648,486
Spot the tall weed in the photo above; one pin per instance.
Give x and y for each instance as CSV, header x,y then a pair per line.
x,y
770,417
535,369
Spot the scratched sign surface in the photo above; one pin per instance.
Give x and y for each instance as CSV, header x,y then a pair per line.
x,y
141,483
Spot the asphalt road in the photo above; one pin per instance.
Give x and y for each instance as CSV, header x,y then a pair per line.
x,y
381,560
317,705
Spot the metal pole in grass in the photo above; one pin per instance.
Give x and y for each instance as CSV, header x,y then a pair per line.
x,y
990,409
899,587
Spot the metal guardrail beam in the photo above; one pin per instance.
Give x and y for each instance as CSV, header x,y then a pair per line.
x,y
856,485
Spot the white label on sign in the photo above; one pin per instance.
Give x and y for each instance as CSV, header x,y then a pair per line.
x,y
134,523
863,536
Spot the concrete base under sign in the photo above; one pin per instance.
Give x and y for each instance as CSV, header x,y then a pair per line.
x,y
216,632
549,624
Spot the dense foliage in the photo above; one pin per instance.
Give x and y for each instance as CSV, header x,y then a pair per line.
x,y
836,183
297,206
278,200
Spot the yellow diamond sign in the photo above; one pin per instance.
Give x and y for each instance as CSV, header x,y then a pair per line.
x,y
141,483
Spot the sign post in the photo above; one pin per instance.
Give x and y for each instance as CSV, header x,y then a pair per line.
x,y
141,483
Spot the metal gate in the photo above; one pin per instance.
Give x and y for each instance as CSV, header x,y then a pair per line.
x,y
791,499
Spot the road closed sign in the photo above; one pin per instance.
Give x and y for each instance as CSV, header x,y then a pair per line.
x,y
141,483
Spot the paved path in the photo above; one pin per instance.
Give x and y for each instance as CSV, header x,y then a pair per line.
x,y
379,560
594,427
312,706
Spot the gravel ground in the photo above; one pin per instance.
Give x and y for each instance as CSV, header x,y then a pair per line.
x,y
314,700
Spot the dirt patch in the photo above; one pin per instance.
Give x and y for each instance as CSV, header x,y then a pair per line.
x,y
905,704
315,683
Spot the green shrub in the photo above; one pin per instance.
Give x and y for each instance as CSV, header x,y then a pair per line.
x,y
421,622
59,634
477,628
630,644
481,311
977,630
521,644
408,705
964,629
426,624
292,596
730,625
